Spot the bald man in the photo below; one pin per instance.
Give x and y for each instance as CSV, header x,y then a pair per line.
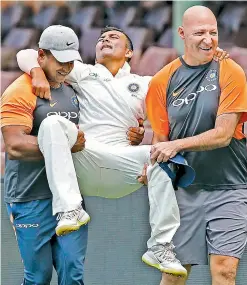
x,y
197,107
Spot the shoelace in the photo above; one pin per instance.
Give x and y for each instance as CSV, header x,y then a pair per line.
x,y
166,253
68,215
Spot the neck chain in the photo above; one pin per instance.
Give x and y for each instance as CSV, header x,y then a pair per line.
x,y
53,87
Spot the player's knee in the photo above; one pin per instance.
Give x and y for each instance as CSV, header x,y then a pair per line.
x,y
56,123
75,273
225,272
50,121
39,277
52,125
75,278
224,268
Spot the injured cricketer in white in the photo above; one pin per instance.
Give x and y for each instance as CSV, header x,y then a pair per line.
x,y
108,166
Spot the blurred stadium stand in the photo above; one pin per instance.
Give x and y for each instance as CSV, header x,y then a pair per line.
x,y
149,25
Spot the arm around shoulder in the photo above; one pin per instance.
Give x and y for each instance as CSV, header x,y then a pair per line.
x,y
28,63
156,107
78,73
27,60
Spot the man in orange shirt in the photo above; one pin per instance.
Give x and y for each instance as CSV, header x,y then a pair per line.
x,y
26,189
27,192
197,106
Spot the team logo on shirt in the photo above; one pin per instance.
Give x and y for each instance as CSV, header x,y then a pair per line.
x,y
67,115
53,104
192,96
133,87
74,101
212,75
94,75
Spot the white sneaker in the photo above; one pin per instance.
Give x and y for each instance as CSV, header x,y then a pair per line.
x,y
163,258
71,221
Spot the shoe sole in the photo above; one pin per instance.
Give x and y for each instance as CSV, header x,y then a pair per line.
x,y
165,270
64,230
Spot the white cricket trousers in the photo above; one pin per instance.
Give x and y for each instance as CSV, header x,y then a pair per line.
x,y
105,171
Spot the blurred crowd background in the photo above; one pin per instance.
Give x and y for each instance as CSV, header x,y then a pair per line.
x,y
152,26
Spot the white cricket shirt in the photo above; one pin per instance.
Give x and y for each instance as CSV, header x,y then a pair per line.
x,y
108,105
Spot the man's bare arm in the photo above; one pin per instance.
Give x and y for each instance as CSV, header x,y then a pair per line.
x,y
28,62
20,145
220,136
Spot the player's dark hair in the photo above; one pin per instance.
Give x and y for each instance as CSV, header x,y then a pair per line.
x,y
47,52
129,42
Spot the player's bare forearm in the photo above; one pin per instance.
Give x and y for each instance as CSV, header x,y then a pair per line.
x,y
20,145
29,63
207,141
218,137
41,86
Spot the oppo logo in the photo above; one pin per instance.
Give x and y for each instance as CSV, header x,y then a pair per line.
x,y
191,97
26,226
67,115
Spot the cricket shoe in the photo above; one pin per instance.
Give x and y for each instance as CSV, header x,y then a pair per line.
x,y
163,258
71,221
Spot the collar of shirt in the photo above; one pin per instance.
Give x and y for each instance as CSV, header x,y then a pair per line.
x,y
125,70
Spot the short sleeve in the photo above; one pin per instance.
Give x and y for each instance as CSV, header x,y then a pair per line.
x,y
156,107
233,97
156,99
17,104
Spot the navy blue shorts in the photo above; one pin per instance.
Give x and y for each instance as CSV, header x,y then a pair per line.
x,y
41,249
